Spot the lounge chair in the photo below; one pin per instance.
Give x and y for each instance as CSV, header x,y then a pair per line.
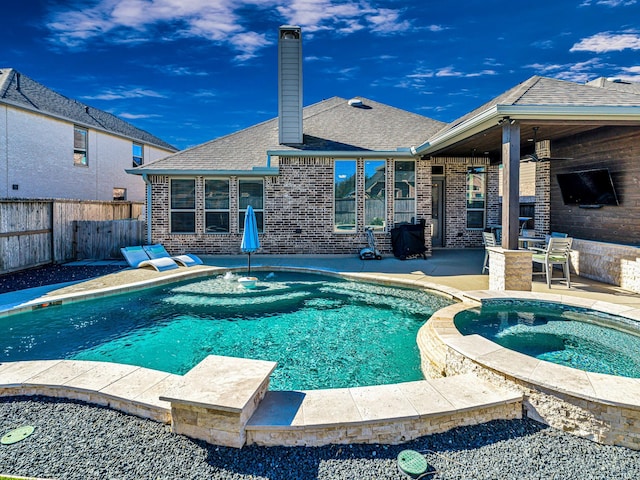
x,y
136,257
157,251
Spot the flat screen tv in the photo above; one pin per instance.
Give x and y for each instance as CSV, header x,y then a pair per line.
x,y
587,188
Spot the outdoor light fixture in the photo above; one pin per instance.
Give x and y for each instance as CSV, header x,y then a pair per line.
x,y
506,119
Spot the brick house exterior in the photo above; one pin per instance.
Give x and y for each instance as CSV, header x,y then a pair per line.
x,y
298,190
476,158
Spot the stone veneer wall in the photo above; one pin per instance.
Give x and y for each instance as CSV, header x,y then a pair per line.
x,y
131,407
607,262
298,212
602,423
606,424
390,432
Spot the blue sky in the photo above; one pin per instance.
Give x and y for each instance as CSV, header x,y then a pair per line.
x,y
189,71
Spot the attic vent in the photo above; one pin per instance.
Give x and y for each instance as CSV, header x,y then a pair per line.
x,y
355,102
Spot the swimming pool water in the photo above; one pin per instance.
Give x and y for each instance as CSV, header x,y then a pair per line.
x,y
324,332
560,334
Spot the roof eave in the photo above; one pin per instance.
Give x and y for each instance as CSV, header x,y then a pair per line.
x,y
491,116
172,172
342,153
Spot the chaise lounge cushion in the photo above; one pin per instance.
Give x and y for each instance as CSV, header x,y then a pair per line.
x,y
136,257
158,251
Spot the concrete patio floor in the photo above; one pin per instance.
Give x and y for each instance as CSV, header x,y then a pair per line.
x,y
457,269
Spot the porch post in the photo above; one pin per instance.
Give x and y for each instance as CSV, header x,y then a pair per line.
x,y
510,183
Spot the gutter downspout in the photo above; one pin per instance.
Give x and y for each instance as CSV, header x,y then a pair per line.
x,y
148,212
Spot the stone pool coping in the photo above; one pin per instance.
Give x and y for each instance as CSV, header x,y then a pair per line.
x,y
605,408
380,414
226,400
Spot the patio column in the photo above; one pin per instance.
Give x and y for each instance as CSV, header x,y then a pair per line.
x,y
510,183
510,269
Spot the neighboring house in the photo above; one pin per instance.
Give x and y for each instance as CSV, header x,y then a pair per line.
x,y
318,176
52,146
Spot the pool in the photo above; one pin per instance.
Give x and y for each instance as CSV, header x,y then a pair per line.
x,y
324,332
567,335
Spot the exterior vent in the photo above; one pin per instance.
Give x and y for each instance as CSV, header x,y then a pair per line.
x,y
355,102
290,85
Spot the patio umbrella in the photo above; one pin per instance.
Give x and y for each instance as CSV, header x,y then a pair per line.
x,y
250,241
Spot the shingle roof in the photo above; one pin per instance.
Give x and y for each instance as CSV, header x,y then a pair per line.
x,y
538,91
330,125
624,86
18,89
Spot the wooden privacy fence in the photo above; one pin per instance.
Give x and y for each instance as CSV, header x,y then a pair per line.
x,y
104,239
38,232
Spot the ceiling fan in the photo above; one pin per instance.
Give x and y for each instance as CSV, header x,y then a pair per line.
x,y
535,157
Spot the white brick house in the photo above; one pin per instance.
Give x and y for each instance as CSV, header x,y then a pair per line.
x,y
313,188
55,147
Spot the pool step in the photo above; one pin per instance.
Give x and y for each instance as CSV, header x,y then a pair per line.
x,y
388,414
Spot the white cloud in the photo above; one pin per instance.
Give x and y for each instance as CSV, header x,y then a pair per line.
x,y
608,42
543,44
74,25
575,72
124,93
451,72
179,71
137,116
628,74
206,94
609,3
315,58
342,17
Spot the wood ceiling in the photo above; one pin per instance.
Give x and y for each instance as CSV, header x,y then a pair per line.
x,y
489,142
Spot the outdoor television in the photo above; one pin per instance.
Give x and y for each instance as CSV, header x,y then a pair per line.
x,y
587,188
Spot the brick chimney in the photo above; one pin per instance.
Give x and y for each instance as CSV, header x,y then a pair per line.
x,y
290,85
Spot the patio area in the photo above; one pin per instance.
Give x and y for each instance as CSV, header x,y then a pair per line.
x,y
455,270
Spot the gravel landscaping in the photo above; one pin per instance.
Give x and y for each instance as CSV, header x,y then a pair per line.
x,y
52,274
73,440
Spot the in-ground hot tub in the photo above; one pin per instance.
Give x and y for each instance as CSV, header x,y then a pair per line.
x,y
599,406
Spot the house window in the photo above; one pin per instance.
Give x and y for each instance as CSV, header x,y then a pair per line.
x,y
80,146
183,205
216,205
375,194
119,193
344,180
476,197
251,192
404,192
137,152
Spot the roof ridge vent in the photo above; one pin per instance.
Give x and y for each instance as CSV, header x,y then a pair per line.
x,y
355,102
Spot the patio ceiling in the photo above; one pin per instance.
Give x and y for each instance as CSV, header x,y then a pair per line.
x,y
488,143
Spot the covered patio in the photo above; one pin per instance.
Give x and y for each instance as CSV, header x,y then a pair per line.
x,y
560,127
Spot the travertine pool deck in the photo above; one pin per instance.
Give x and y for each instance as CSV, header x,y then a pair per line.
x,y
228,403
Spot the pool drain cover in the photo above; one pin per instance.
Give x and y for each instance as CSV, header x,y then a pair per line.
x,y
412,463
16,435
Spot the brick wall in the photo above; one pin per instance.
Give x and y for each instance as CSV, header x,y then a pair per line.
x,y
298,212
455,224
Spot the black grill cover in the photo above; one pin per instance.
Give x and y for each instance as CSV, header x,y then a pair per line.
x,y
408,240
